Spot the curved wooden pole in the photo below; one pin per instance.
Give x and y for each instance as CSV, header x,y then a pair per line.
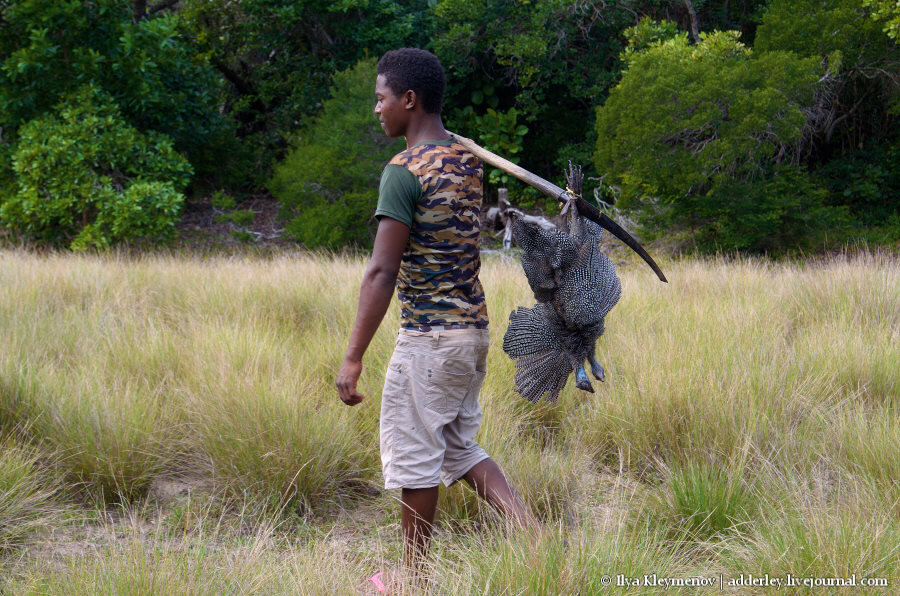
x,y
560,194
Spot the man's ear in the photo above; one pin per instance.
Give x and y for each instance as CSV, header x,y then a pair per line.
x,y
410,99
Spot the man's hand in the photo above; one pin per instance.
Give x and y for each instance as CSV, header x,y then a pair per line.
x,y
346,381
374,296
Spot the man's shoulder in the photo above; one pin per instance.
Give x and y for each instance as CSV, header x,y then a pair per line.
x,y
432,155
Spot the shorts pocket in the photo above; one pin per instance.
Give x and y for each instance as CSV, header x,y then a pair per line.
x,y
395,394
470,406
447,390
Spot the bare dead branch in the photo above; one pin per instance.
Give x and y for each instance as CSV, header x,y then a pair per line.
x,y
695,24
161,6
138,10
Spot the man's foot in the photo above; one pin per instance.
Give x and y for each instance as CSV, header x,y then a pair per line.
x,y
383,582
378,583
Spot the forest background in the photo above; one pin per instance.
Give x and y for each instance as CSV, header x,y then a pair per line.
x,y
763,127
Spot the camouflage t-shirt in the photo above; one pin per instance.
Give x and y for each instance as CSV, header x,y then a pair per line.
x,y
435,188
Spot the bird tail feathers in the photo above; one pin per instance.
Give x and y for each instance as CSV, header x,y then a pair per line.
x,y
541,365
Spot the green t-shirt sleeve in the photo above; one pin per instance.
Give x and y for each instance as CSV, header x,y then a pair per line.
x,y
398,194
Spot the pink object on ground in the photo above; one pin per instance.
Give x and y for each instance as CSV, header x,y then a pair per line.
x,y
376,579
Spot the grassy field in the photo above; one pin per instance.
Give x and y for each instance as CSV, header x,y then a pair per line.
x,y
169,425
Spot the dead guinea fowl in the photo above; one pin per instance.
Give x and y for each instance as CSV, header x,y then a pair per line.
x,y
576,286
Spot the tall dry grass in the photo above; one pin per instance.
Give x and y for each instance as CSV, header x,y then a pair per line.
x,y
132,368
752,406
26,495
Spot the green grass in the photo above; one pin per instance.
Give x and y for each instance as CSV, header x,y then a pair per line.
x,y
701,501
810,531
26,495
749,424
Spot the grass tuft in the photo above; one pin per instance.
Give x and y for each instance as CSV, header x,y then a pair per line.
x,y
26,495
701,501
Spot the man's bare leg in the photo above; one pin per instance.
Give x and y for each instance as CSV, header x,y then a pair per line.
x,y
491,485
417,522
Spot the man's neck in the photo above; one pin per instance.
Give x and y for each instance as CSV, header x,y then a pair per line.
x,y
428,128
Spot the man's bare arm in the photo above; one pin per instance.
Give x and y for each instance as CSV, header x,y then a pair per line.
x,y
375,295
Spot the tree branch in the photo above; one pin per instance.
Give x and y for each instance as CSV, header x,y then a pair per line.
x,y
161,6
695,25
231,75
138,10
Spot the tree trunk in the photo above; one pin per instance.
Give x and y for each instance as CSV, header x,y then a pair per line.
x,y
138,10
695,25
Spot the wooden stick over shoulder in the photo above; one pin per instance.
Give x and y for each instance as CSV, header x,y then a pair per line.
x,y
560,194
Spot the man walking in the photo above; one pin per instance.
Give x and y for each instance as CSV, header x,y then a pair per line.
x,y
427,245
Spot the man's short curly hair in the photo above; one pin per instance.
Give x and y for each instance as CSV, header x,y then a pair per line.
x,y
417,70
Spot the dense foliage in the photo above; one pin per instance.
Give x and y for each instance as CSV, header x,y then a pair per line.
x,y
49,48
853,141
87,178
887,11
277,58
705,137
784,146
761,125
328,184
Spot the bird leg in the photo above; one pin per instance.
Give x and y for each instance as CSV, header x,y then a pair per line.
x,y
581,380
574,179
568,215
597,370
571,222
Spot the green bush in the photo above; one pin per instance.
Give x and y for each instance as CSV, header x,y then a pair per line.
x,y
333,225
855,148
783,211
887,12
867,183
704,140
328,184
85,178
502,133
278,57
7,178
51,48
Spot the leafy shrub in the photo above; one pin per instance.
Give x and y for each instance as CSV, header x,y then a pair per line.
x,y
888,12
51,48
328,184
86,178
705,138
823,27
853,137
783,211
646,34
867,183
497,132
7,178
278,58
502,133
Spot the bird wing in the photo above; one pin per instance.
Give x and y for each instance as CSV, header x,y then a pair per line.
x,y
545,254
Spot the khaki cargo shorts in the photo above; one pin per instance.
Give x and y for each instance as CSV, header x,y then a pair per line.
x,y
429,407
